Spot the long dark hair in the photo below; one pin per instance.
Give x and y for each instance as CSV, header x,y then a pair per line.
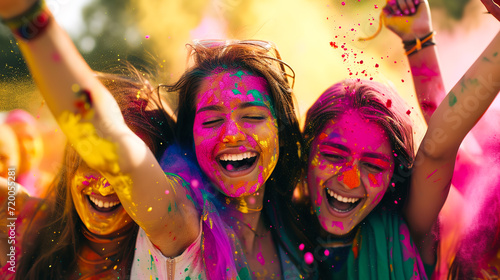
x,y
51,251
377,103
281,183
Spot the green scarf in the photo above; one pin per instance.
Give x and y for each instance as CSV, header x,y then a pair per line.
x,y
383,249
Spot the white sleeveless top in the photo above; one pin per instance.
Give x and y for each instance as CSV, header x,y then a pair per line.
x,y
150,263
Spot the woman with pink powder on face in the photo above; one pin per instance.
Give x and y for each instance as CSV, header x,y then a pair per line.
x,y
236,117
372,204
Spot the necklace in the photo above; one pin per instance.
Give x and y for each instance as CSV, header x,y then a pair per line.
x,y
250,228
245,209
243,206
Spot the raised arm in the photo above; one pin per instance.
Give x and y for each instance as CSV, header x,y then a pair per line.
x,y
424,64
91,119
453,119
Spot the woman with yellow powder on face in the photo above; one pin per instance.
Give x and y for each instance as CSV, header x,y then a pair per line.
x,y
162,204
81,230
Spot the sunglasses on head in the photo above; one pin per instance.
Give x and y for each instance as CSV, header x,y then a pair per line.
x,y
268,46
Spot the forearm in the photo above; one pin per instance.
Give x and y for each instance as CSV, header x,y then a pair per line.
x,y
58,69
78,101
464,105
427,80
453,119
91,119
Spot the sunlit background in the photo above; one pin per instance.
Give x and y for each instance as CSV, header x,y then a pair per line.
x,y
153,34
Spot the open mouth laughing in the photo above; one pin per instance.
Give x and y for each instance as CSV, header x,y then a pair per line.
x,y
340,203
238,162
104,204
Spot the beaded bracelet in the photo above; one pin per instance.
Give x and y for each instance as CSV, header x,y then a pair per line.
x,y
414,46
31,23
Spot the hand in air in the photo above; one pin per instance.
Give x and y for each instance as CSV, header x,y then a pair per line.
x,y
493,6
409,19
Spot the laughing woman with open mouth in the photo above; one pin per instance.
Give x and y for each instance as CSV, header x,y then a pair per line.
x,y
236,117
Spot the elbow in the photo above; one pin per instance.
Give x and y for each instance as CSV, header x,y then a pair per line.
x,y
438,145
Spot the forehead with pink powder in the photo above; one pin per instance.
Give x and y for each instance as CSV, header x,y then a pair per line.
x,y
234,114
236,86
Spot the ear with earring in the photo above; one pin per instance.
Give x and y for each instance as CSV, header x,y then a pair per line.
x,y
301,191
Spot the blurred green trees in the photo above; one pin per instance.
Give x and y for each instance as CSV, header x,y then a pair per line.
x,y
108,38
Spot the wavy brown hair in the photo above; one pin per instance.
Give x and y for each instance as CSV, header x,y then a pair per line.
x,y
51,252
261,62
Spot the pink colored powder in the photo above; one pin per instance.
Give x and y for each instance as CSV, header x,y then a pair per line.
x,y
56,57
338,224
239,191
261,259
319,199
378,198
308,258
195,183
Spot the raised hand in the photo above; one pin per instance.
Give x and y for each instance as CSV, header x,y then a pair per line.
x,y
493,6
408,19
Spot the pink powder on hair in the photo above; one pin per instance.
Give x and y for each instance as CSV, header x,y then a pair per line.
x,y
195,183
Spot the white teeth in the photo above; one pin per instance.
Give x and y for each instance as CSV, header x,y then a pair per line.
x,y
341,198
103,204
236,157
331,193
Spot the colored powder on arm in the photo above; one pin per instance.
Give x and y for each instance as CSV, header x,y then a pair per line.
x,y
452,99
